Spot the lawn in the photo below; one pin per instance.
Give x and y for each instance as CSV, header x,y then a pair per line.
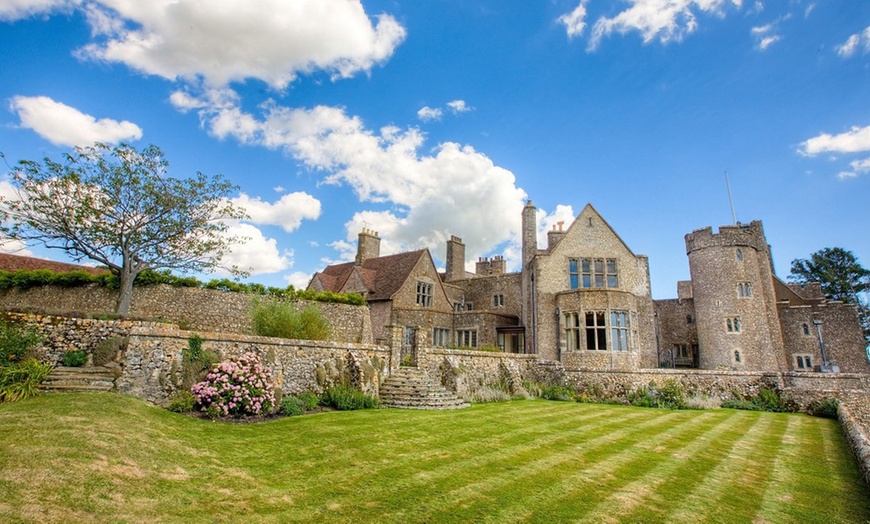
x,y
102,457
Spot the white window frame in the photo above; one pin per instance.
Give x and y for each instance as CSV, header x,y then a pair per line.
x,y
466,338
424,293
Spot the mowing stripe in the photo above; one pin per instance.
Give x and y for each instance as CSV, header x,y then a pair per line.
x,y
598,450
735,485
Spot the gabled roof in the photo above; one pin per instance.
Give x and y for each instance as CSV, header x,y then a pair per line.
x,y
589,207
381,276
17,262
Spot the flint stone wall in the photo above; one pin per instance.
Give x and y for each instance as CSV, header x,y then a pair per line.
x,y
854,417
465,371
191,308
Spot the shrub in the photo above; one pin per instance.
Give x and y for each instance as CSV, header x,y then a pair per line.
x,y
556,393
310,400
279,319
747,405
826,408
347,398
533,388
107,350
769,400
489,348
182,402
15,342
74,359
292,406
241,386
195,362
487,394
670,395
21,380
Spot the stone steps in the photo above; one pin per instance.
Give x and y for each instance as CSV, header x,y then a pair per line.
x,y
79,379
411,388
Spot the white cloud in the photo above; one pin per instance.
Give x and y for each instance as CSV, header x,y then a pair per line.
x,y
298,279
454,190
223,41
427,113
288,212
7,245
856,140
459,106
17,9
278,189
765,36
854,43
64,125
859,167
575,21
547,221
257,254
665,20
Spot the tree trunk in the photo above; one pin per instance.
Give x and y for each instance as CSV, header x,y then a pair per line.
x,y
125,293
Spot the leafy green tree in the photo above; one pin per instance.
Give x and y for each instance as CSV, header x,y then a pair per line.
x,y
841,277
117,206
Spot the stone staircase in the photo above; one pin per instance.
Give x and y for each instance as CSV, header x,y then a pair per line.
x,y
79,379
411,388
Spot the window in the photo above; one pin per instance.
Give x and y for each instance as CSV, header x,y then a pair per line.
x,y
572,331
441,337
737,356
498,300
803,362
596,330
689,319
732,324
424,294
593,272
739,255
469,306
744,290
466,338
619,330
805,329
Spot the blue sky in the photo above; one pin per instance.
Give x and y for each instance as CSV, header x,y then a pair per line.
x,y
426,119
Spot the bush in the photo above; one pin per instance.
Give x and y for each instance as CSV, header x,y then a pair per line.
x,y
15,342
487,394
747,405
292,406
74,359
195,362
670,395
766,400
107,350
825,408
279,319
310,400
21,380
241,386
556,393
182,402
348,398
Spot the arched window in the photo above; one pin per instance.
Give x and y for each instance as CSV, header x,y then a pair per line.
x,y
744,290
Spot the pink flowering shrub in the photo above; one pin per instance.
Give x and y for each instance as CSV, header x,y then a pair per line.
x,y
241,386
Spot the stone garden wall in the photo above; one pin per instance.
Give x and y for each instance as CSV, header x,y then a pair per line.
x,y
191,308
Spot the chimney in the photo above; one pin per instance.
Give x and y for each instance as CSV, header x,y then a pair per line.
x,y
555,235
368,246
529,228
455,259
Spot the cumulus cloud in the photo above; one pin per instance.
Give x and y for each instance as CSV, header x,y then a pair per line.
x,y
298,279
258,254
288,212
223,41
459,106
855,43
64,125
453,189
575,21
427,113
547,221
17,9
859,167
665,20
855,140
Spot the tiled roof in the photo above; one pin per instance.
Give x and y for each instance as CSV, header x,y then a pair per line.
x,y
382,276
16,262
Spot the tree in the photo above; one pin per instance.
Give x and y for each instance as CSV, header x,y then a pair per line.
x,y
841,277
116,206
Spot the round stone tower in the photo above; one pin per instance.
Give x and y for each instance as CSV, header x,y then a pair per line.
x,y
735,303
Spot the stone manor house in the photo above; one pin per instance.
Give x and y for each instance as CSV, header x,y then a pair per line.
x,y
585,301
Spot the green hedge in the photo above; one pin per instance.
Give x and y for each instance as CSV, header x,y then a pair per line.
x,y
25,279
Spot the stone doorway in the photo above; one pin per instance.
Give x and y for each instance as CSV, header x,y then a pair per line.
x,y
409,347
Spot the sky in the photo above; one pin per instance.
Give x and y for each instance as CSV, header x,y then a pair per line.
x,y
430,118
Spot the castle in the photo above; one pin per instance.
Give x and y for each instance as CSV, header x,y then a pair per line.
x,y
585,301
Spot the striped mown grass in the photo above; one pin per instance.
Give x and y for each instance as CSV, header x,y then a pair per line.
x,y
104,457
